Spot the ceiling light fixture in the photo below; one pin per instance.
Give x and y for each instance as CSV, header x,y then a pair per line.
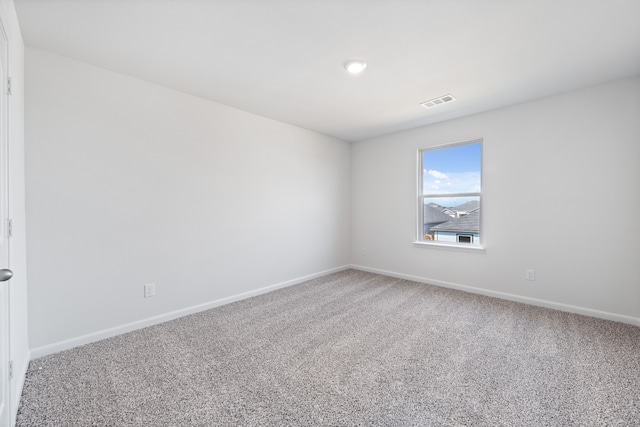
x,y
355,66
438,101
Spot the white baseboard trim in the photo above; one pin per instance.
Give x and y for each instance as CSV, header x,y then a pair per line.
x,y
510,297
111,332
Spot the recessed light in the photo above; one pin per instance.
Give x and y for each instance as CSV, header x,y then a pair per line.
x,y
355,66
438,101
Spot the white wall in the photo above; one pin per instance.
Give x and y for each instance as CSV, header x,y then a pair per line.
x,y
19,350
130,183
561,195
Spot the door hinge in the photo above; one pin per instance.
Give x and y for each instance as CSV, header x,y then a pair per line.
x,y
9,86
10,227
11,369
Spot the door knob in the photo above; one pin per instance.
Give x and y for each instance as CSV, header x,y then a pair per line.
x,y
5,274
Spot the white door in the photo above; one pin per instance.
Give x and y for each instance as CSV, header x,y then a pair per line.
x,y
4,238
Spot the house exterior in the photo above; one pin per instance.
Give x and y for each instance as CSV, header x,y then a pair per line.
x,y
465,229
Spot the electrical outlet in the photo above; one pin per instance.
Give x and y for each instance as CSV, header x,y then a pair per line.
x,y
530,274
149,290
364,251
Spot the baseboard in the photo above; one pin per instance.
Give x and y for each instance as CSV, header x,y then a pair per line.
x,y
111,332
107,333
510,297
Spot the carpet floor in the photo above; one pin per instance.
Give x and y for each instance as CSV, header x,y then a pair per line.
x,y
349,349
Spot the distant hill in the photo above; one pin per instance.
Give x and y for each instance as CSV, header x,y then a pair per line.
x,y
465,207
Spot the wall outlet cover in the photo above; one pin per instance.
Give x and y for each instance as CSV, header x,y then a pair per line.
x,y
149,290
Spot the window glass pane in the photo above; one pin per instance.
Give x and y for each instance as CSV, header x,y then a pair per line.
x,y
453,169
446,218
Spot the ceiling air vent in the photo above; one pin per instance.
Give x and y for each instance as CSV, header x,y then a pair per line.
x,y
438,101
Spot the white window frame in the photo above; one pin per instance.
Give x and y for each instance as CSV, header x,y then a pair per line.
x,y
420,241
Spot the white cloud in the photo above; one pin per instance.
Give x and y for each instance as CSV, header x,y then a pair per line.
x,y
437,174
454,182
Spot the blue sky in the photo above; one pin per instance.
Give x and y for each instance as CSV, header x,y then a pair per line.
x,y
459,158
453,169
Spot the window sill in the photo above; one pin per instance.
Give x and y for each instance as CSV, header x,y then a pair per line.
x,y
451,247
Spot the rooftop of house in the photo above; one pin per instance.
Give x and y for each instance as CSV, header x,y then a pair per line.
x,y
433,215
466,224
468,206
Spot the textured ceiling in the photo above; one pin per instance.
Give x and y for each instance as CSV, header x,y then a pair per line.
x,y
283,59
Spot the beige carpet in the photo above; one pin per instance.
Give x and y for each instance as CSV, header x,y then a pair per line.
x,y
349,349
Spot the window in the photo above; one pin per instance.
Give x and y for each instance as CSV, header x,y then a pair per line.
x,y
449,194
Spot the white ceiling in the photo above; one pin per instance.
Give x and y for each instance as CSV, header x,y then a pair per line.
x,y
283,59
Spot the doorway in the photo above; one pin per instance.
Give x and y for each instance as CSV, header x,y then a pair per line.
x,y
5,371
